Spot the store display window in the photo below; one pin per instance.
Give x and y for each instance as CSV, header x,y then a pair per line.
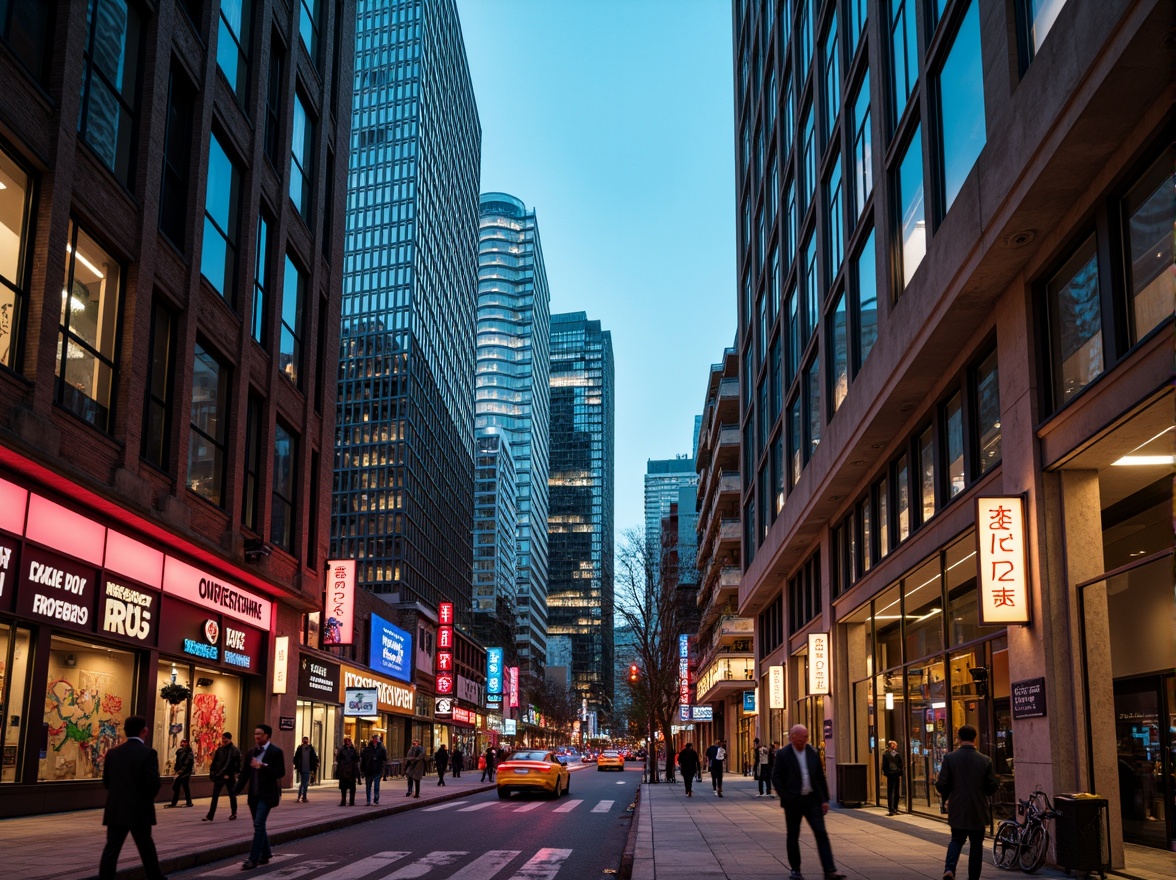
x,y
87,698
195,703
14,667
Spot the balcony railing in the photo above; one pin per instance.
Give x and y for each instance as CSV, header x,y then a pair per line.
x,y
733,670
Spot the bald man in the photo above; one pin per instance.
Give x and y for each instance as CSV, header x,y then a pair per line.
x,y
804,794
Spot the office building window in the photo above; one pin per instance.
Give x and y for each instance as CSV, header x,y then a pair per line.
x,y
309,27
232,45
902,492
749,532
953,423
960,98
839,354
87,342
251,497
160,382
813,405
793,336
218,259
804,594
1149,213
811,292
293,310
882,495
261,283
282,503
14,268
832,91
836,220
856,14
808,159
26,27
774,367
926,452
866,518
778,489
865,285
173,198
273,101
1036,18
909,198
301,158
794,443
904,53
208,440
806,39
110,79
1075,323
863,158
790,222
987,394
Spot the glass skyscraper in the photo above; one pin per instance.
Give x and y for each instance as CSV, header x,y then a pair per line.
x,y
514,308
580,520
663,478
404,469
495,528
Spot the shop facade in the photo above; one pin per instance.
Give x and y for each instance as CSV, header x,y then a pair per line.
x,y
376,704
318,715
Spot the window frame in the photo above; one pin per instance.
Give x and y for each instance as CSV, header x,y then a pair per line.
x,y
163,405
124,167
18,288
220,412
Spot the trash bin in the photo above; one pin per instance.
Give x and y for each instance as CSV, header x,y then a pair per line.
x,y
851,785
1081,833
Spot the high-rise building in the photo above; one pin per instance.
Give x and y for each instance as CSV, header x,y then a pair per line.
x,y
956,413
171,256
663,479
512,397
580,517
404,470
495,528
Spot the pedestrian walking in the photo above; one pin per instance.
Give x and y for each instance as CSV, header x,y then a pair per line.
x,y
306,761
966,781
441,762
226,764
804,795
184,765
456,759
892,770
670,756
348,764
771,765
130,774
715,756
372,763
486,765
690,766
260,777
763,769
414,768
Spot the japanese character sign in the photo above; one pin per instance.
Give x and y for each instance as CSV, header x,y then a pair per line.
x,y
1003,561
339,607
818,663
494,671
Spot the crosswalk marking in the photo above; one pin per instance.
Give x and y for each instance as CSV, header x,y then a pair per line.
x,y
544,865
603,807
486,865
300,869
568,807
534,805
235,867
480,806
362,867
443,806
425,864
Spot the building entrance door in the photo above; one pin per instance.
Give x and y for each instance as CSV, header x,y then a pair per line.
x,y
1145,720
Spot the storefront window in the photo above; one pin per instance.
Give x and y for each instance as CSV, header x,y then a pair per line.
x,y
888,623
87,698
923,614
318,722
963,619
211,708
14,664
927,720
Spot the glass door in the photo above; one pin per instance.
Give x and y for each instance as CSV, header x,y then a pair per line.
x,y
928,744
1144,756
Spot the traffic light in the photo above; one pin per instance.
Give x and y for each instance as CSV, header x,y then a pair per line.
x,y
634,673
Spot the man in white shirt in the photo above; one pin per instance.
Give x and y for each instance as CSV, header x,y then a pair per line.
x,y
804,795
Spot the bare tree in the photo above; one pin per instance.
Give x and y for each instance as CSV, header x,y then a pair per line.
x,y
558,704
647,600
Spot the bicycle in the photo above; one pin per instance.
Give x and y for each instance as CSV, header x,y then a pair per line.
x,y
1024,844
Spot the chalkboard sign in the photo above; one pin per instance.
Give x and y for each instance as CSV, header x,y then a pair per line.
x,y
1029,698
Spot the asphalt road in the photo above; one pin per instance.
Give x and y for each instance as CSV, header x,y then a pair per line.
x,y
480,837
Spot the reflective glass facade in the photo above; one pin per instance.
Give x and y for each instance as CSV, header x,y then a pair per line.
x,y
511,395
404,469
580,521
495,525
663,480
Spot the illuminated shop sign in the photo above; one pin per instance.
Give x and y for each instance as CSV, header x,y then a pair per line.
x,y
444,662
468,690
818,664
391,649
391,696
339,608
510,727
214,594
9,553
702,713
57,590
281,660
359,703
129,611
494,660
749,703
462,715
318,679
684,677
443,707
1004,570
513,686
775,687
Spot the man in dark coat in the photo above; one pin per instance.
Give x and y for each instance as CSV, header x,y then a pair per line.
x,y
372,762
131,776
715,756
966,781
348,766
689,764
226,764
670,756
441,762
804,795
456,760
306,761
260,777
185,764
892,770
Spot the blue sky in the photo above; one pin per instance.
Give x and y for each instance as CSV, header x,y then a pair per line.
x,y
613,120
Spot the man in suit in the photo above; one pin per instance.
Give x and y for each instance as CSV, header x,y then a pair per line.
x,y
267,764
131,776
226,764
966,781
892,770
804,794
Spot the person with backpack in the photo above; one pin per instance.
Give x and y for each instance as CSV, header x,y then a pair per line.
x,y
715,756
763,769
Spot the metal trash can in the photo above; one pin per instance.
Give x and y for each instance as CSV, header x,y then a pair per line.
x,y
1081,835
851,785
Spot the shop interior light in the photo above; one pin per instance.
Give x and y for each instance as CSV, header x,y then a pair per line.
x,y
1143,460
889,701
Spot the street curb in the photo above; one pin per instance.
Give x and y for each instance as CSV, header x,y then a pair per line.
x,y
216,854
625,870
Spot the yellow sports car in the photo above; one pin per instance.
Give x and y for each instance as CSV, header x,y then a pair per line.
x,y
532,771
610,760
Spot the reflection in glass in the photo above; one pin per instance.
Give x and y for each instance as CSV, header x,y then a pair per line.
x,y
953,418
910,201
902,493
863,159
988,412
923,609
866,280
927,473
15,655
218,258
961,106
232,45
282,506
1041,15
106,112
290,344
207,441
1075,311
14,185
814,407
839,367
1150,209
904,53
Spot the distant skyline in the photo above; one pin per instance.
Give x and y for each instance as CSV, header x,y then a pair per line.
x,y
612,119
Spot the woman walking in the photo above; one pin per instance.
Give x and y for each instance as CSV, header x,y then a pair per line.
x,y
347,770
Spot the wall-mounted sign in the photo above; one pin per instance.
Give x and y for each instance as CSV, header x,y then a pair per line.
x,y
818,664
1029,698
391,696
749,703
443,707
513,686
359,703
128,611
339,607
281,662
242,646
468,690
494,660
214,594
509,726
683,712
775,687
702,713
318,679
444,663
9,553
464,716
684,673
827,729
1003,561
391,649
286,722
190,631
59,590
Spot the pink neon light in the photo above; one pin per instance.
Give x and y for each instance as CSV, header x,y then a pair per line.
x,y
13,500
133,559
65,531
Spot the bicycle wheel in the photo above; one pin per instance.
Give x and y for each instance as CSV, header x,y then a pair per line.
x,y
1034,843
1006,844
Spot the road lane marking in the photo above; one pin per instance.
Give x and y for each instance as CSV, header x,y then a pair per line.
x,y
534,805
447,806
566,808
603,807
363,867
480,806
620,783
425,864
289,872
235,868
486,865
544,865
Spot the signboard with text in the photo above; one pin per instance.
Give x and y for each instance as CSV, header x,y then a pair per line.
x,y
1028,698
749,703
391,649
359,703
818,664
58,590
513,686
702,713
494,673
9,553
339,605
775,687
215,595
1003,561
128,611
318,679
444,662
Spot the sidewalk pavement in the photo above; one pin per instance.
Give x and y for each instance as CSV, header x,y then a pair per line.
x,y
742,837
66,846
